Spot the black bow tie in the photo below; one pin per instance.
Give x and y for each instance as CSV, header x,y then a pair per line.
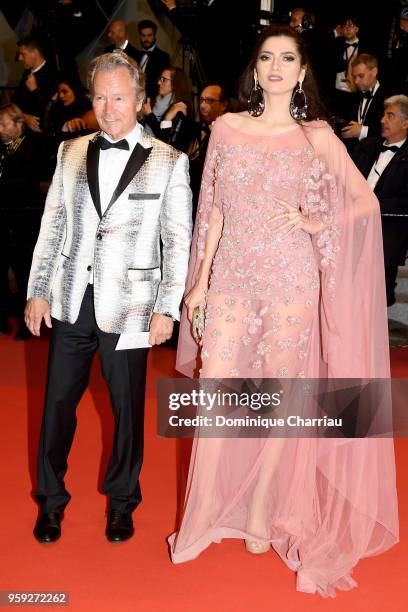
x,y
366,94
354,45
392,148
106,144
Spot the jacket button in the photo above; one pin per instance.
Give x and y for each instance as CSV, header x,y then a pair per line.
x,y
89,268
99,236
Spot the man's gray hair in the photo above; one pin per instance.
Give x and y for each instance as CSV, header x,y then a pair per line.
x,y
401,101
113,61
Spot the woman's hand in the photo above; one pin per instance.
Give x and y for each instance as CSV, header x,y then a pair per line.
x,y
147,107
74,125
195,297
174,109
293,219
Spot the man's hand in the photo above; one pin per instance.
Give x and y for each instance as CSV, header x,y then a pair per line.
x,y
36,310
170,4
161,329
32,122
31,82
352,130
147,106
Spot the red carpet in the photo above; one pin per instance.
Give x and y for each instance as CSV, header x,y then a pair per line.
x,y
138,575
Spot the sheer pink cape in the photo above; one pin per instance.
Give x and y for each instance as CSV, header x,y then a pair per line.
x,y
351,510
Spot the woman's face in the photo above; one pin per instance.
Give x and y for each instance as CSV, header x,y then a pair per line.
x,y
165,83
65,94
278,66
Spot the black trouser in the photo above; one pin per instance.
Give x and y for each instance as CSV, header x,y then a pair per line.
x,y
391,273
72,348
19,232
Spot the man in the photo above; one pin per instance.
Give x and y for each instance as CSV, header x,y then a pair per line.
x,y
213,102
346,49
151,59
296,17
385,165
98,278
38,83
20,207
368,110
117,34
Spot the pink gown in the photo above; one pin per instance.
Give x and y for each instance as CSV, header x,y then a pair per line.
x,y
290,306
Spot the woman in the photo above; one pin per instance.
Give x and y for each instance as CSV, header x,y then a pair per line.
x,y
289,230
172,117
69,114
69,110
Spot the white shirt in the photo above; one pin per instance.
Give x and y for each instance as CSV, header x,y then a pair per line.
x,y
362,111
145,58
34,70
112,163
382,162
349,54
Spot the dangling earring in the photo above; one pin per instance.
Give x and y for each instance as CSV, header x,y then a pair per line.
x,y
298,103
256,102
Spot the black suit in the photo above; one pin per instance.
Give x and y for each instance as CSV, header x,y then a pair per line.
x,y
20,211
130,50
158,61
392,192
35,102
372,118
343,101
374,113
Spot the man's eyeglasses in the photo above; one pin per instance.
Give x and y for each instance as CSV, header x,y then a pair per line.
x,y
206,100
162,79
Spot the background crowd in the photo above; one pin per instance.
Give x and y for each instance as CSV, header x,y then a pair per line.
x,y
363,78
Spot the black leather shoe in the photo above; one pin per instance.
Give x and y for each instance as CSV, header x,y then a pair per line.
x,y
23,333
48,527
119,526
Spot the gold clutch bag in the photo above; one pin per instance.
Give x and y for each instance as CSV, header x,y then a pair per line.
x,y
198,322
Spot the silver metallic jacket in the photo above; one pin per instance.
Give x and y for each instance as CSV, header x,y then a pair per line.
x,y
133,277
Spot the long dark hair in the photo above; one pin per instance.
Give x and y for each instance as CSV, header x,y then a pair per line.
x,y
316,109
181,89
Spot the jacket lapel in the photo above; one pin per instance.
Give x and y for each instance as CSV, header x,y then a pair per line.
x,y
92,162
136,161
392,167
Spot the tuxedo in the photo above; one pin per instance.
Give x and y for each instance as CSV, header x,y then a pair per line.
x,y
374,113
392,192
115,245
344,101
158,61
20,211
35,102
130,50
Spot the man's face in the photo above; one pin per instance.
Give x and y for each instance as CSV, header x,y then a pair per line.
x,y
28,57
147,38
9,130
115,102
296,19
117,33
364,77
393,127
403,24
210,105
350,30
